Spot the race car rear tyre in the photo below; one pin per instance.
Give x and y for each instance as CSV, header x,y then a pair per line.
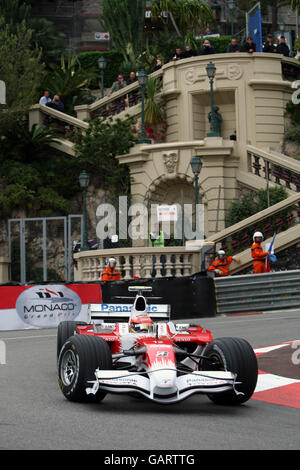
x,y
78,360
234,355
64,331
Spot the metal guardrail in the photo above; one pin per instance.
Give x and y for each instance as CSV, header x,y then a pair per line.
x,y
258,293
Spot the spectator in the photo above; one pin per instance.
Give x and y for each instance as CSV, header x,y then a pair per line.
x,y
233,46
207,32
178,54
269,46
112,240
158,64
45,98
249,45
207,48
56,104
132,97
188,52
132,78
118,85
283,48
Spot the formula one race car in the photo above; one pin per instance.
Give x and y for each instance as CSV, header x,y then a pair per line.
x,y
162,361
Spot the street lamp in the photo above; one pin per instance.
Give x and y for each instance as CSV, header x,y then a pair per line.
x,y
84,181
102,67
214,116
231,6
196,165
142,79
282,25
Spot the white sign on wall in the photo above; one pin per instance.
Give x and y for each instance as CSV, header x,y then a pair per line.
x,y
167,213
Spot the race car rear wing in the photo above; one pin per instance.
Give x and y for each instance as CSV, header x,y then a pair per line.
x,y
121,312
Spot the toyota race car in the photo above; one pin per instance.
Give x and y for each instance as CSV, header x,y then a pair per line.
x,y
158,360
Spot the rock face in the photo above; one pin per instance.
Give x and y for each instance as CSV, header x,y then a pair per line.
x,y
290,148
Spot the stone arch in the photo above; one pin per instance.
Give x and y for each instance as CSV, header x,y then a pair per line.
x,y
166,190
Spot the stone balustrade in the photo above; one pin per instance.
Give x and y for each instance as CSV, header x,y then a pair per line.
x,y
143,263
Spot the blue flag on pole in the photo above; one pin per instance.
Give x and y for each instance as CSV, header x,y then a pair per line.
x,y
255,29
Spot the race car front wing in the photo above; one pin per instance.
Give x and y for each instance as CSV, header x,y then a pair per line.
x,y
170,391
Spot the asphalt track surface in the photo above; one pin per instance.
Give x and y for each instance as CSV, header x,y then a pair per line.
x,y
35,415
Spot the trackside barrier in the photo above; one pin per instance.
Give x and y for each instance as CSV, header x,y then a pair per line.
x,y
258,293
45,305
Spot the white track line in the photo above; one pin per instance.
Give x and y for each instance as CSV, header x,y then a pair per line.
x,y
28,337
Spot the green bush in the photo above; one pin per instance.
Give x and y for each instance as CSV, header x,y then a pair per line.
x,y
293,133
220,44
89,60
248,205
293,112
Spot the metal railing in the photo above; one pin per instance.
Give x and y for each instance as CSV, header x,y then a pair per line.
x,y
258,293
277,168
277,218
124,99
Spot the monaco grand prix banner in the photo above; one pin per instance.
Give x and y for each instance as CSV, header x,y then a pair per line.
x,y
45,306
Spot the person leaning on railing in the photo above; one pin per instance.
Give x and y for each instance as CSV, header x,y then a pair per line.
x,y
221,265
116,86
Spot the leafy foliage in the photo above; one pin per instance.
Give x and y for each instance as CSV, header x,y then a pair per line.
x,y
69,81
186,15
44,34
21,70
153,108
124,19
97,147
89,61
24,171
248,205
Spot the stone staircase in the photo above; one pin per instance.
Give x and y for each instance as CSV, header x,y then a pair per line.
x,y
256,169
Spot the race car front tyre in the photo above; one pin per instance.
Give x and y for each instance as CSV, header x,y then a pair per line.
x,y
234,355
78,360
64,331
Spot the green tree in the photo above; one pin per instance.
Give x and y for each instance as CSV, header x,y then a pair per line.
x,y
69,80
46,37
97,147
25,171
21,70
186,15
14,12
249,205
124,19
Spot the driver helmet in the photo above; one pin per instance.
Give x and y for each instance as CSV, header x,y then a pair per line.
x,y
141,324
258,235
221,254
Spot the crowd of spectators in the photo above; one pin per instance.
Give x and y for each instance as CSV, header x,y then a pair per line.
x,y
274,46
